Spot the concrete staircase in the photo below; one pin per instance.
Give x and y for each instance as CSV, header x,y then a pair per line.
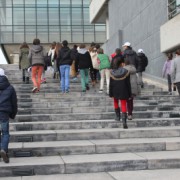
x,y
75,136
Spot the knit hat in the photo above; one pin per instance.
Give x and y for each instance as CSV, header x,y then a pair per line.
x,y
2,72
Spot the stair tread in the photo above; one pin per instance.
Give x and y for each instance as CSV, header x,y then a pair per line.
x,y
93,158
94,142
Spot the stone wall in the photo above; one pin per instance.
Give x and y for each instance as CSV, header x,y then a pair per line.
x,y
140,22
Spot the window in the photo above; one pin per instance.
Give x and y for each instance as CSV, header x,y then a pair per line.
x,y
173,8
49,20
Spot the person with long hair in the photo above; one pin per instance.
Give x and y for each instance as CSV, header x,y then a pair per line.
x,y
24,62
56,65
120,89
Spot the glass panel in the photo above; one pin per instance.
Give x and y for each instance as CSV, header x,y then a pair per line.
x,y
18,3
30,3
77,34
6,16
53,16
30,16
30,33
86,16
41,3
65,16
6,3
42,33
89,33
100,33
64,3
77,3
18,16
6,34
177,2
86,3
54,34
18,34
66,33
53,3
76,16
42,16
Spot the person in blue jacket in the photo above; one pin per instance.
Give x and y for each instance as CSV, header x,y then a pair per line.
x,y
8,109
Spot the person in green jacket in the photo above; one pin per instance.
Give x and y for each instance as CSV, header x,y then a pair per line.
x,y
24,62
104,67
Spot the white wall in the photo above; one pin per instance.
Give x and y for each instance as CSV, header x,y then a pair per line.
x,y
170,34
2,58
95,8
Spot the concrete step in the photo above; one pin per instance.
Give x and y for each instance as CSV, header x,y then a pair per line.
x,y
53,148
90,124
31,102
93,116
89,134
93,109
165,174
72,96
92,163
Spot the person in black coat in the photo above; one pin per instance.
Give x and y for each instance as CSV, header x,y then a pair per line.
x,y
142,64
120,89
84,64
65,61
8,109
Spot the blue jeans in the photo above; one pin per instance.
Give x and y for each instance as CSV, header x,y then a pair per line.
x,y
4,139
64,69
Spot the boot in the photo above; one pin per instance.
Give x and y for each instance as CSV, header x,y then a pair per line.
x,y
124,120
24,79
27,80
117,114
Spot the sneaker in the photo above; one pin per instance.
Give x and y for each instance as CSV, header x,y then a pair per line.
x,y
34,89
129,117
67,92
5,157
170,93
100,91
43,80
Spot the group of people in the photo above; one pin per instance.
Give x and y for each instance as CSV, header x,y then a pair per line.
x,y
119,71
171,70
122,70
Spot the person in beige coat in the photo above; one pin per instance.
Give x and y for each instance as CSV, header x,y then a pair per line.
x,y
135,87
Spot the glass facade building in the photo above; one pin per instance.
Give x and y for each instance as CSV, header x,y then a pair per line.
x,y
48,20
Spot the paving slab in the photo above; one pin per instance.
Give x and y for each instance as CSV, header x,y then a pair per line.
x,y
167,174
162,159
40,165
103,162
89,176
